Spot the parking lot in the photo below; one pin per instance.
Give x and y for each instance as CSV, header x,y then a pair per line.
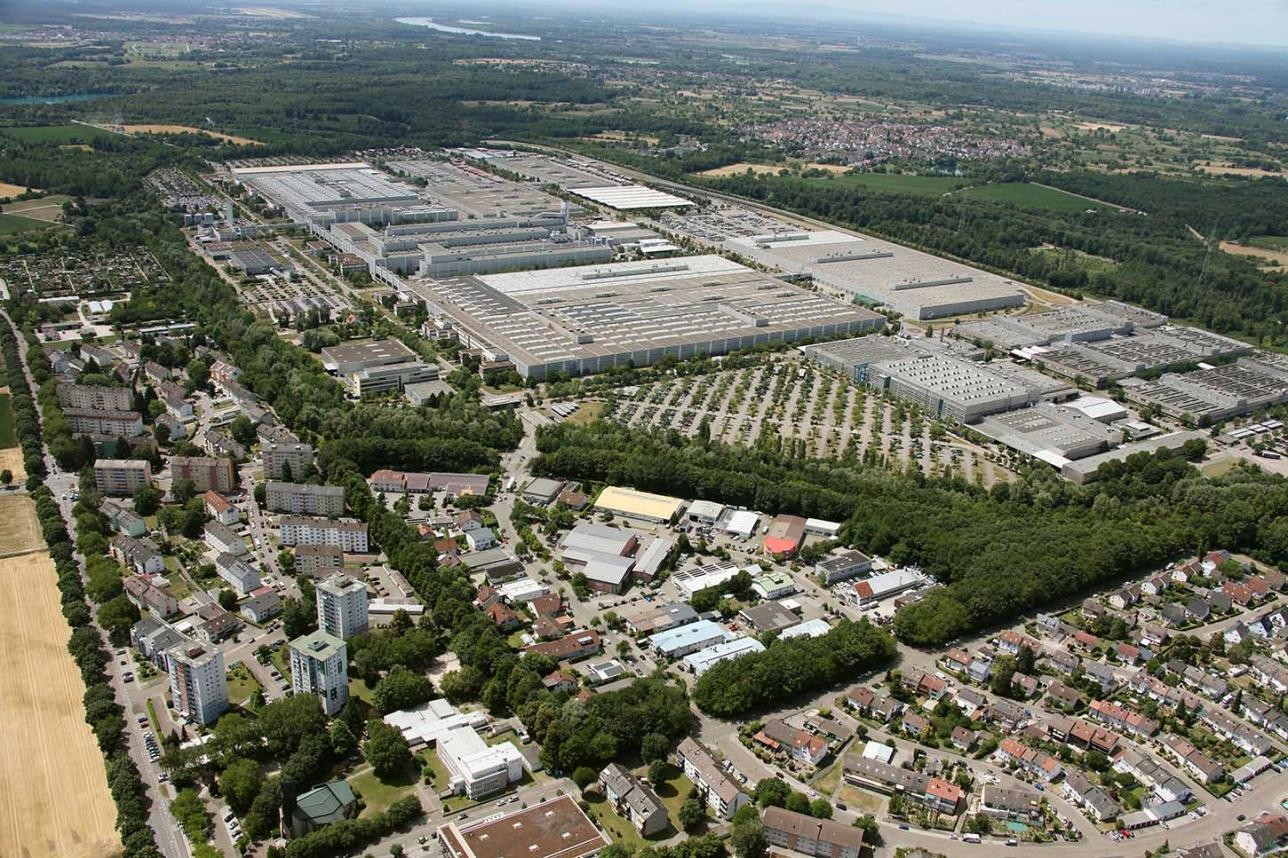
x,y
809,406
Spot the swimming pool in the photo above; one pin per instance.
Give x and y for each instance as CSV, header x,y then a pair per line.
x,y
1017,827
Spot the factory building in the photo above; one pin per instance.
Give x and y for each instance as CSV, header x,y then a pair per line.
x,y
914,284
949,388
348,358
586,319
390,378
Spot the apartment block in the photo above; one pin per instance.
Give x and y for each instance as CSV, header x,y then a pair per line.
x,y
121,477
207,473
318,561
700,766
95,397
342,606
305,499
286,460
822,838
349,536
319,666
110,424
198,685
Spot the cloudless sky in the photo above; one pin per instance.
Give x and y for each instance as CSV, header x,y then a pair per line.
x,y
1263,22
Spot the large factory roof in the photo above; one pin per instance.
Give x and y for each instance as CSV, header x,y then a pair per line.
x,y
476,192
591,317
914,283
631,197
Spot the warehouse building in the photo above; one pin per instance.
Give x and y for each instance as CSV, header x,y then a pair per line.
x,y
1072,323
586,319
1119,357
348,358
914,284
950,388
683,640
630,197
705,659
558,828
477,194
338,193
1051,433
784,536
1084,470
1211,395
641,506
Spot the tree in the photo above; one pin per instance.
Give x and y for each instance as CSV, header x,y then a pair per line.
x,y
772,792
798,802
183,490
979,824
871,829
239,783
385,749
227,599
692,815
298,618
1003,675
1024,660
583,776
147,500
287,721
6,476
747,835
654,747
820,808
400,689
658,771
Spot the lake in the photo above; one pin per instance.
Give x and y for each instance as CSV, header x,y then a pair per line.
x,y
463,31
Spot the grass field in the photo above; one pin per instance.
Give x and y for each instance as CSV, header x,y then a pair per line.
x,y
11,460
1032,196
1270,242
12,224
19,530
930,186
7,436
54,133
55,796
48,209
378,794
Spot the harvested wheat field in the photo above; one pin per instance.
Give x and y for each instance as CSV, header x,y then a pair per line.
x,y
19,529
187,129
11,459
8,190
53,789
1275,257
740,168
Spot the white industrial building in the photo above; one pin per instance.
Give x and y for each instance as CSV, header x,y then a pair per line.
x,y
475,768
703,660
683,640
914,284
588,318
691,581
884,585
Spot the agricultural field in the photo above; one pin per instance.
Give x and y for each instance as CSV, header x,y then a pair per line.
x,y
819,411
50,765
48,209
1267,257
1033,196
13,224
60,134
188,129
897,183
8,190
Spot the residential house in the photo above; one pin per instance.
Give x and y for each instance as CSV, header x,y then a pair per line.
x,y
137,555
633,800
1267,833
724,797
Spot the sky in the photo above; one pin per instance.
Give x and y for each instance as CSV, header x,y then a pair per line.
x,y
1261,22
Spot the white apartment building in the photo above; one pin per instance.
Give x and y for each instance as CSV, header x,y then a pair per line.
x,y
115,424
349,536
342,606
286,461
305,499
96,397
198,685
319,666
121,477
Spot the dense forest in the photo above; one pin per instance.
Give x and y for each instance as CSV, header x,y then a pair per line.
x,y
1000,553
